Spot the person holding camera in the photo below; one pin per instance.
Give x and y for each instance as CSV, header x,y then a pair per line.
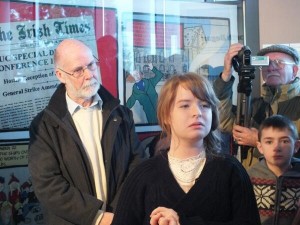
x,y
280,95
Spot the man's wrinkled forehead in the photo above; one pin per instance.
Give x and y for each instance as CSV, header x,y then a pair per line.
x,y
280,55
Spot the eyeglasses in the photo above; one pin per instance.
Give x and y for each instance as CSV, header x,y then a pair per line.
x,y
276,63
79,71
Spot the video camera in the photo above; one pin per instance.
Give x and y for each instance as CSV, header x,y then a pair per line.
x,y
243,63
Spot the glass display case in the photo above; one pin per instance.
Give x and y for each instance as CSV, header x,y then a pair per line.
x,y
150,39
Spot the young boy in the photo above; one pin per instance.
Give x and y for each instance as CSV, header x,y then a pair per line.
x,y
276,177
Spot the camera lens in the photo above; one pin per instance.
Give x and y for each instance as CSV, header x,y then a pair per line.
x,y
247,52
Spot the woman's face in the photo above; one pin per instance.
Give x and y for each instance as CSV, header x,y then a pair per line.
x,y
190,117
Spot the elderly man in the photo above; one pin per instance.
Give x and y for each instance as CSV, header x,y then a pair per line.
x,y
82,145
280,95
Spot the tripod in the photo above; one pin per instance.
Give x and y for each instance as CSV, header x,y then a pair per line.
x,y
244,89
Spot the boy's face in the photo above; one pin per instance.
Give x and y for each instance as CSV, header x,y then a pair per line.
x,y
278,147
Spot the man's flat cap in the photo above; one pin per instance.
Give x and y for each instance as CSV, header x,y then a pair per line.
x,y
281,48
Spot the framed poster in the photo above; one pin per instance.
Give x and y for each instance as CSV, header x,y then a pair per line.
x,y
192,39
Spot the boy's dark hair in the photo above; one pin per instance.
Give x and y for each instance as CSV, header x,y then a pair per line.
x,y
279,122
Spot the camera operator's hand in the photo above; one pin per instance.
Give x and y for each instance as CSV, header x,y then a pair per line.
x,y
245,136
232,51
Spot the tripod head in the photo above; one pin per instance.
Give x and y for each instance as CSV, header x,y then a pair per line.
x,y
242,65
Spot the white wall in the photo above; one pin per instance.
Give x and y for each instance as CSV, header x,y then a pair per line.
x,y
279,21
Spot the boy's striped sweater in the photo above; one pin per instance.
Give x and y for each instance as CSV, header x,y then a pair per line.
x,y
276,197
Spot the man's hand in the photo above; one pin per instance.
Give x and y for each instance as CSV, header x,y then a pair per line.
x,y
245,136
164,216
107,218
232,51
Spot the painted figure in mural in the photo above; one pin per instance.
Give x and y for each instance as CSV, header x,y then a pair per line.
x,y
191,182
280,95
14,195
145,93
6,214
3,196
82,145
28,198
276,177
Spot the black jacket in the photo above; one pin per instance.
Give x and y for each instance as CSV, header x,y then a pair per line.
x,y
221,195
61,174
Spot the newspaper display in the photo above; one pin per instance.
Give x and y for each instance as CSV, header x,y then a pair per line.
x,y
27,78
